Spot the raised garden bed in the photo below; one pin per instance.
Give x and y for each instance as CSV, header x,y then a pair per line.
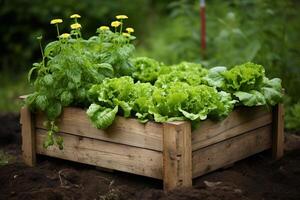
x,y
168,151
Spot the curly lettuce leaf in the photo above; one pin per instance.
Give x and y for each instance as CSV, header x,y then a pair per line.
x,y
126,107
251,98
245,77
215,78
192,116
191,73
145,69
272,91
100,116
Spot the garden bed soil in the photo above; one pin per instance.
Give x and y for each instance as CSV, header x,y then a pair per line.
x,y
257,177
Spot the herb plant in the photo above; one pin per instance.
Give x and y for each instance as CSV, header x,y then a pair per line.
x,y
71,64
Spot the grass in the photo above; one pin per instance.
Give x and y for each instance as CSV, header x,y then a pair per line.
x,y
11,87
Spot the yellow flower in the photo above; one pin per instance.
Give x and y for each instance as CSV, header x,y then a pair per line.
x,y
64,35
130,30
104,28
56,21
75,26
126,34
121,17
75,16
115,23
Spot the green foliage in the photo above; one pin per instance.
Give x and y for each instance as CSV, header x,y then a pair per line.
x,y
215,77
248,76
191,73
102,117
9,92
261,31
180,92
149,70
146,69
247,82
22,21
174,101
292,117
69,67
179,100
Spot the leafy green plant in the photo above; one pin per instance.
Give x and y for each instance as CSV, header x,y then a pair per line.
x,y
174,101
247,82
71,64
181,92
180,101
191,73
292,117
146,69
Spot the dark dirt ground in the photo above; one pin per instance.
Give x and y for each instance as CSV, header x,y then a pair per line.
x,y
255,178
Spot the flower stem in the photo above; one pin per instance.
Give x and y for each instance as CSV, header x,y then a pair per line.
x,y
41,48
121,28
57,29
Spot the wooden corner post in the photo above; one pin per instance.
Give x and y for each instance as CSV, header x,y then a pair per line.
x,y
278,132
28,137
177,155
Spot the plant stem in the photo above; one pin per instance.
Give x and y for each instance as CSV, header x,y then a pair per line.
x,y
43,61
41,48
121,26
57,29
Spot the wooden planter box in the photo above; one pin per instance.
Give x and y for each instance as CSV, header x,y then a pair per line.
x,y
167,151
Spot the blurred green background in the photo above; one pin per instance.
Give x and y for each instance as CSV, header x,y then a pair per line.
x,y
263,31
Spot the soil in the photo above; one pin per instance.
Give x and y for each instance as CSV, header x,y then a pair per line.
x,y
255,178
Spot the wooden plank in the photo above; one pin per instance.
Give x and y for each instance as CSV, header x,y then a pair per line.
x,y
278,132
28,137
177,155
207,138
229,151
123,131
238,122
104,154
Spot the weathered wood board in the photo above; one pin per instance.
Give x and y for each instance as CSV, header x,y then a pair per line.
x,y
229,151
104,154
124,131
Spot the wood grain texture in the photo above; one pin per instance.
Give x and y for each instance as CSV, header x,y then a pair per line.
x,y
104,154
177,155
123,131
238,122
28,137
221,154
278,132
